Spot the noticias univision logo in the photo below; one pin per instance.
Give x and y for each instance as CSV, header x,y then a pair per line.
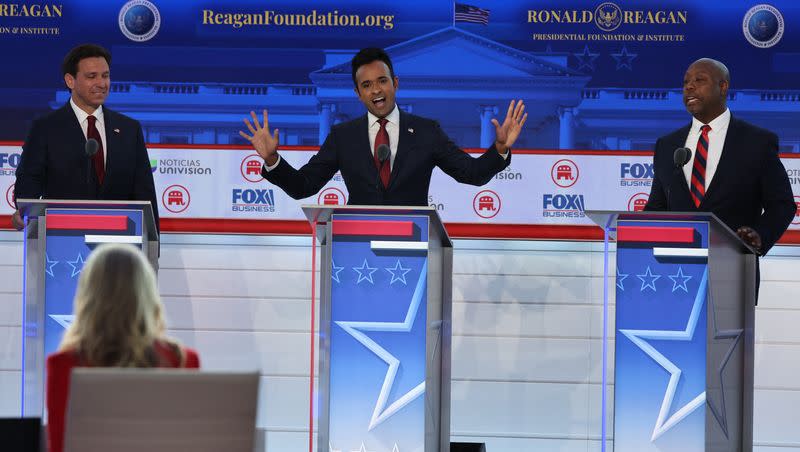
x,y
153,165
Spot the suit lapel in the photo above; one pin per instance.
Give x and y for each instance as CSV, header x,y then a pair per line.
x,y
726,158
405,141
678,140
112,142
74,130
363,149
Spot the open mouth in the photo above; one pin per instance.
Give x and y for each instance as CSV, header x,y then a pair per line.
x,y
379,101
691,100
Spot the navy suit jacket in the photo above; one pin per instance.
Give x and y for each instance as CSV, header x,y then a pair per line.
x,y
422,145
750,186
54,163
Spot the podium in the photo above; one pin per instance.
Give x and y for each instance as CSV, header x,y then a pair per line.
x,y
58,237
685,297
384,328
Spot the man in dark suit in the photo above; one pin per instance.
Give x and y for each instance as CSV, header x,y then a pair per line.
x,y
734,171
413,146
54,163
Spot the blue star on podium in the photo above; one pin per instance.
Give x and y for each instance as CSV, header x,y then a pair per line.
x,y
679,280
621,277
365,272
734,335
49,264
77,265
335,271
356,329
648,279
638,337
65,320
398,273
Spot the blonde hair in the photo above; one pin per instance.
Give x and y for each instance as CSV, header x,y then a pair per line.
x,y
118,312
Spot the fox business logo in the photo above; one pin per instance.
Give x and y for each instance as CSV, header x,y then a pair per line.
x,y
607,16
9,163
636,174
252,200
563,206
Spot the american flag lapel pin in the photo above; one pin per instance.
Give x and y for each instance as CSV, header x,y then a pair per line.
x,y
116,130
410,130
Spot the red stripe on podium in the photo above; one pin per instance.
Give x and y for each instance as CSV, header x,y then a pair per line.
x,y
88,222
659,234
383,228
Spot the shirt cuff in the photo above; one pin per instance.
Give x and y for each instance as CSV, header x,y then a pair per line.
x,y
272,167
505,156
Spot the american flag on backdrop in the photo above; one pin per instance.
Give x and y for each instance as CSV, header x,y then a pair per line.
x,y
473,14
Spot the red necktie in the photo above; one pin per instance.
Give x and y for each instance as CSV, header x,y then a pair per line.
x,y
382,138
99,161
698,180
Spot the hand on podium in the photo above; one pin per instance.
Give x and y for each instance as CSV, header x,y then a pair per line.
x,y
750,237
17,221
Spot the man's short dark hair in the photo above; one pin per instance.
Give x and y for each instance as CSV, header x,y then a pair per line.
x,y
81,52
367,56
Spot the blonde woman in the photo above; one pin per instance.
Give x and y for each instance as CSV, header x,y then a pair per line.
x,y
119,322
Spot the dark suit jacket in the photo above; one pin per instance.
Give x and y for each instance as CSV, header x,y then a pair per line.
x,y
422,145
54,163
749,178
59,371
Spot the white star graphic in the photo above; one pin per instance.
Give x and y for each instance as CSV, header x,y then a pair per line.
x,y
395,448
621,277
335,271
330,448
362,448
676,284
648,275
396,273
50,264
638,337
365,272
719,412
77,265
379,414
64,320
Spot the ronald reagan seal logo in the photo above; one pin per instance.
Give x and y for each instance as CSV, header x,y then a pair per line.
x,y
763,26
139,20
607,16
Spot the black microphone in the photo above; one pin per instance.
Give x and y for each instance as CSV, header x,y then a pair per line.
x,y
383,152
681,157
90,149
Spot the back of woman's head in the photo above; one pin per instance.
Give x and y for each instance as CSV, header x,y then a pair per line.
x,y
118,312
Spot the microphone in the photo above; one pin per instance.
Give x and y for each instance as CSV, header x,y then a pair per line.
x,y
681,157
383,153
90,149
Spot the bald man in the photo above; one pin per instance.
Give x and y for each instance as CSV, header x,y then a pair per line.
x,y
734,170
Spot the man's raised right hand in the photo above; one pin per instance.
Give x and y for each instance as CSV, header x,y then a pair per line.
x,y
265,144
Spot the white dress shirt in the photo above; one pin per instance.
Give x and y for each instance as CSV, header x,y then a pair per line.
x,y
100,124
716,139
392,128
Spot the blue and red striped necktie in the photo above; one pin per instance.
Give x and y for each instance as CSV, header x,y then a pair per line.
x,y
698,181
